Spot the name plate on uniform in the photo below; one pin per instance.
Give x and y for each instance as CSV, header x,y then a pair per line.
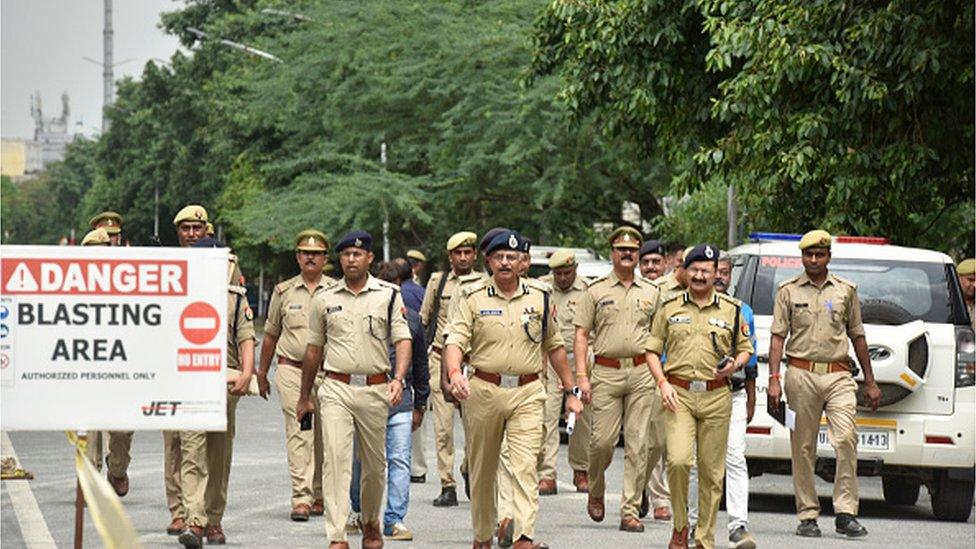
x,y
113,338
870,440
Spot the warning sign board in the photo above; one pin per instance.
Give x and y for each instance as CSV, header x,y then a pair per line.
x,y
113,338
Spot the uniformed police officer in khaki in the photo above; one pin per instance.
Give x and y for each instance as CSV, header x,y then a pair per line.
x,y
112,223
207,455
567,290
190,223
352,322
617,308
653,266
433,313
819,312
507,326
285,336
706,341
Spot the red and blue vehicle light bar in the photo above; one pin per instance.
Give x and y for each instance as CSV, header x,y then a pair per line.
x,y
792,237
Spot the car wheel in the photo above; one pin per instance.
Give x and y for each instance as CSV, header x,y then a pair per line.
x,y
900,490
952,499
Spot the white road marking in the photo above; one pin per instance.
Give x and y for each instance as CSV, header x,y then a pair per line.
x,y
32,524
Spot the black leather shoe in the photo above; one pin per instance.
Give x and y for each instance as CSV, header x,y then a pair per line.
x,y
418,479
808,529
849,526
645,506
448,498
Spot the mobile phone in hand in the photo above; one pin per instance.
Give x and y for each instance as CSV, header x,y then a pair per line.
x,y
306,422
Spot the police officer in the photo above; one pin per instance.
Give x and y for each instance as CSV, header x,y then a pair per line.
x,y
653,265
699,329
352,322
618,308
433,312
285,335
967,281
819,312
119,442
206,456
507,324
567,290
112,223
418,263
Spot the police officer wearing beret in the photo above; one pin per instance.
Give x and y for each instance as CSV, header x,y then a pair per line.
x,y
701,332
352,322
507,324
653,260
618,309
567,290
433,313
819,312
285,335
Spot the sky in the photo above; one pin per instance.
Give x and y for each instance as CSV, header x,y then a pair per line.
x,y
42,45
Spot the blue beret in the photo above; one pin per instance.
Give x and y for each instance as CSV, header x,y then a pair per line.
x,y
489,236
652,247
355,239
208,242
505,240
701,252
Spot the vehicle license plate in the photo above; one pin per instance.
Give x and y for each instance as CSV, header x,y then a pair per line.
x,y
867,439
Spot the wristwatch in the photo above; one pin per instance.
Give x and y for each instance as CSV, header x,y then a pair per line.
x,y
403,382
575,391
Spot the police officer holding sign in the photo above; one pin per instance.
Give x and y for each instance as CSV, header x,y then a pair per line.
x,y
507,324
352,321
706,341
819,312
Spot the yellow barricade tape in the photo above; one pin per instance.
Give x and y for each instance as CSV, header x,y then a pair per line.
x,y
107,512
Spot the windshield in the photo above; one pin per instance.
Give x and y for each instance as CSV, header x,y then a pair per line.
x,y
919,288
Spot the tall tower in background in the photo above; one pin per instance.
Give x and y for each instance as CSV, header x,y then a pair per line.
x,y
108,76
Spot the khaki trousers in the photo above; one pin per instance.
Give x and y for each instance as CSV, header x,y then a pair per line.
x,y
621,396
205,470
811,395
505,489
172,460
352,411
304,447
579,441
702,419
443,412
119,443
654,471
492,414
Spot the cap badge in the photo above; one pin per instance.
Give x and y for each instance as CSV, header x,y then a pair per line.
x,y
626,237
512,242
198,214
358,243
709,253
311,240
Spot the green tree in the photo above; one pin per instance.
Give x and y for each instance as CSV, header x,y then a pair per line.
x,y
855,116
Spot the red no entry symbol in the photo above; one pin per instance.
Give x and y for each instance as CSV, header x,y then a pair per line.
x,y
199,322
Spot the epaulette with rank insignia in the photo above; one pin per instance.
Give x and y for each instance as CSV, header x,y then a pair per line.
x,y
469,278
538,284
844,281
473,287
597,280
674,297
386,284
734,301
788,281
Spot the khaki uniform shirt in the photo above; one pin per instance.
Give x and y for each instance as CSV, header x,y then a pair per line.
x,y
504,335
669,286
566,303
354,328
684,330
818,320
463,282
620,317
288,315
427,307
238,308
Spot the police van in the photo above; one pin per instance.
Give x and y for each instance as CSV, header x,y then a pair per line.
x,y
922,351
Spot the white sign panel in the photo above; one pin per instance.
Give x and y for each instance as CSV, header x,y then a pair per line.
x,y
113,338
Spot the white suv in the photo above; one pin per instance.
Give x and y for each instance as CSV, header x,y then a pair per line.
x,y
922,350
